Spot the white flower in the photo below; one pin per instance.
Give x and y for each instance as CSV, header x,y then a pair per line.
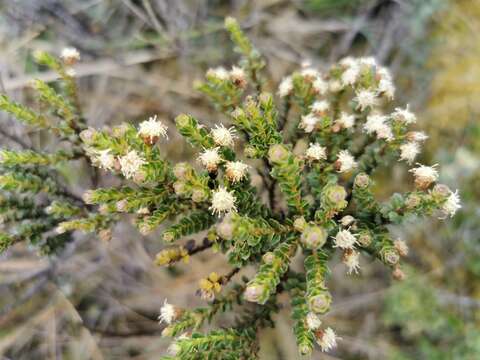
x,y
385,132
106,160
223,136
316,152
346,120
351,260
345,161
313,321
167,313
365,99
152,129
320,107
386,87
345,240
424,175
376,123
348,61
350,75
335,86
286,86
236,171
237,75
70,55
327,340
210,158
70,72
223,201
320,86
309,122
174,347
310,73
219,73
452,204
130,163
404,115
367,61
384,73
418,136
409,151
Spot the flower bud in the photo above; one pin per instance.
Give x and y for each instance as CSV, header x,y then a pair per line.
x,y
88,197
390,256
313,237
253,293
412,201
88,135
268,257
347,220
401,247
105,235
122,205
299,224
199,195
320,303
362,180
225,229
398,274
278,153
441,191
180,188
181,170
335,196
364,239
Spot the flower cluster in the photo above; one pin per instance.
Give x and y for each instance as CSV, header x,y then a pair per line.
x,y
284,178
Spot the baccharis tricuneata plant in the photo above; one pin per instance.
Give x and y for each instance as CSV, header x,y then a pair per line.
x,y
313,144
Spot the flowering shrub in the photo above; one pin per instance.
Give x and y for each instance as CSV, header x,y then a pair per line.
x,y
277,182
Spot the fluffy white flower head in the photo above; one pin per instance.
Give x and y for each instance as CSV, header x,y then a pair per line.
x,y
409,151
320,86
346,120
167,313
345,161
424,175
210,158
310,73
223,136
236,171
327,340
313,321
404,115
219,73
309,122
351,260
418,136
70,55
350,75
320,107
152,128
386,87
223,201
345,240
365,99
131,163
316,152
106,160
286,86
452,204
377,123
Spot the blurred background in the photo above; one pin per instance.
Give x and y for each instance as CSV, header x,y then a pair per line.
x,y
139,58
